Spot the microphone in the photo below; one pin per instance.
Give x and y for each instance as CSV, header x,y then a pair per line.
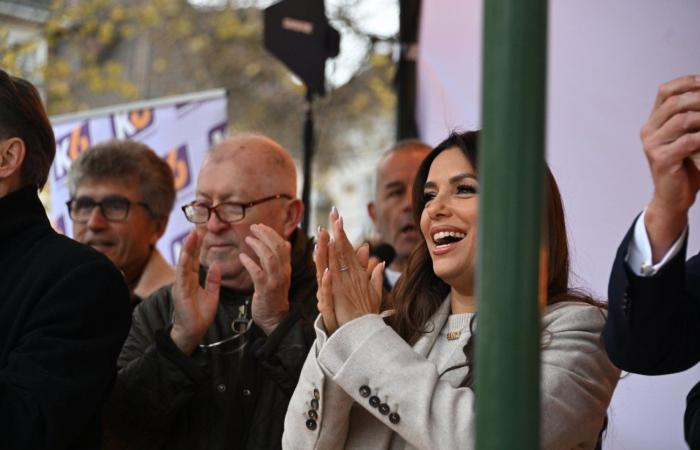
x,y
383,252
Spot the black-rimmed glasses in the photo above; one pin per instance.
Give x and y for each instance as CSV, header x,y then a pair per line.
x,y
228,212
114,208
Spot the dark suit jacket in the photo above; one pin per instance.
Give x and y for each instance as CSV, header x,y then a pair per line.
x,y
653,325
64,314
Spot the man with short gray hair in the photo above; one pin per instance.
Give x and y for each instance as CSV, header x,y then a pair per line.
x,y
390,210
121,196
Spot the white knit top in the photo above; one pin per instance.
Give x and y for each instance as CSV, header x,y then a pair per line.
x,y
457,327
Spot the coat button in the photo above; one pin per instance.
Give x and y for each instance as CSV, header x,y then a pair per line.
x,y
317,395
313,414
384,409
374,401
221,388
365,391
314,404
394,418
311,424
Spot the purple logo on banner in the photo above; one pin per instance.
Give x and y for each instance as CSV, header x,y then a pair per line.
x,y
127,124
179,161
176,246
69,147
217,134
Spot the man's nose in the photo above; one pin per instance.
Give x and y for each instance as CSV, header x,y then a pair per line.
x,y
214,224
407,201
97,220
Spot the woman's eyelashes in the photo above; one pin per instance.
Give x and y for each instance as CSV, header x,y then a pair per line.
x,y
467,189
460,189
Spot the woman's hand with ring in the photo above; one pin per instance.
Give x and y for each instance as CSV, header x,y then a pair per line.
x,y
355,292
324,294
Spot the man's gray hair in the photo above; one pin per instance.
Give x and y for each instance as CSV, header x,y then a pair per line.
x,y
407,144
400,146
126,160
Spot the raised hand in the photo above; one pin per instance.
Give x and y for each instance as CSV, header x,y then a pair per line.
x,y
324,293
355,292
670,136
272,277
194,307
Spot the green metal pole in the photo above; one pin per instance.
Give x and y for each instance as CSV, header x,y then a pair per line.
x,y
511,175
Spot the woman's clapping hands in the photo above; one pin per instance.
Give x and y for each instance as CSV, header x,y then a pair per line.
x,y
349,285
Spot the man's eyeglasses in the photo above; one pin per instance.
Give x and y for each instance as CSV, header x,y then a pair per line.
x,y
228,212
114,208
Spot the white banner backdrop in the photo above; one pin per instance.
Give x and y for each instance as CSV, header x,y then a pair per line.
x,y
606,60
180,130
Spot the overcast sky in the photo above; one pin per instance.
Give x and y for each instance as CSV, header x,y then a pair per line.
x,y
377,17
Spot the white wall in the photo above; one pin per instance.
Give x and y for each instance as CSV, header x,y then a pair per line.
x,y
606,60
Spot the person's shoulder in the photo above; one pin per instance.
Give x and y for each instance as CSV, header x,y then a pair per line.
x,y
693,264
57,248
59,258
73,276
157,308
302,251
160,298
574,315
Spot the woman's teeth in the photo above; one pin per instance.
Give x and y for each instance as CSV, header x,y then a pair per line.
x,y
446,237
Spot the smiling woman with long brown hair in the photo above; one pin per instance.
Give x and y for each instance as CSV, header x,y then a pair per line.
x,y
402,379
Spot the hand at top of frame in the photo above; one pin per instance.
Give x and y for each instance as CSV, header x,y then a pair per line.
x,y
194,307
671,136
271,278
349,286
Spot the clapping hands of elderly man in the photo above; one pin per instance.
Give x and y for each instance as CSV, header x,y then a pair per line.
x,y
349,286
271,275
195,307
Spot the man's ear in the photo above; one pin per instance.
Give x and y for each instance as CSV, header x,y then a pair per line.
x,y
295,212
159,226
372,211
12,154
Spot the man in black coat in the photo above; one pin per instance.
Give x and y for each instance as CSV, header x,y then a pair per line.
x,y
212,360
653,325
64,308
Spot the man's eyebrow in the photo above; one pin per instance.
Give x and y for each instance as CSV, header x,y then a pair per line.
x,y
394,184
226,198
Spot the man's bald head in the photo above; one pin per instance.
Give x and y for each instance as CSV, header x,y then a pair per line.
x,y
255,173
259,154
404,149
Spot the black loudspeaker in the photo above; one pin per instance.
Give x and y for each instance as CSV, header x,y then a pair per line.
x,y
298,33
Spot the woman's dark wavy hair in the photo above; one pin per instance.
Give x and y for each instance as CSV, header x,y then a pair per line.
x,y
419,292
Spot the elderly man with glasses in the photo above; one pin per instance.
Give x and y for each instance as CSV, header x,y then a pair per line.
x,y
121,197
211,361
